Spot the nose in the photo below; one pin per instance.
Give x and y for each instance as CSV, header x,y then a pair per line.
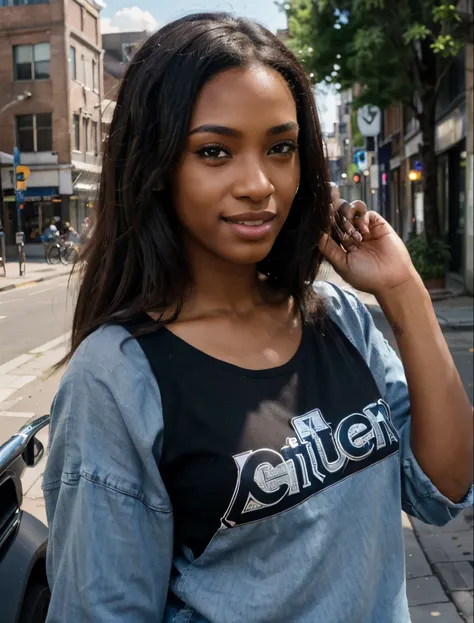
x,y
252,182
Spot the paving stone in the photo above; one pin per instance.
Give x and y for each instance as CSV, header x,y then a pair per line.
x,y
464,601
441,613
457,576
421,591
449,547
416,564
36,507
464,521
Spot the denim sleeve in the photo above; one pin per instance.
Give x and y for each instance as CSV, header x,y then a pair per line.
x,y
110,520
420,497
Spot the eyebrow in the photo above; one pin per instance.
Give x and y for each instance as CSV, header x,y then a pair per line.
x,y
225,131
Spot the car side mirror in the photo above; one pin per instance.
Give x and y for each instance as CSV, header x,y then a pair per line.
x,y
33,453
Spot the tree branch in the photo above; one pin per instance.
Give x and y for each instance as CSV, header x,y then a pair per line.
x,y
441,76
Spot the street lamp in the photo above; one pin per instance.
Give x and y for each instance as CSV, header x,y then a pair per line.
x,y
19,98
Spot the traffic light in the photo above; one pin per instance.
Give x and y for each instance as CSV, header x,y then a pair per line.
x,y
356,178
22,173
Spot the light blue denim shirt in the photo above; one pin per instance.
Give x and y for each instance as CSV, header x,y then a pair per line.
x,y
336,558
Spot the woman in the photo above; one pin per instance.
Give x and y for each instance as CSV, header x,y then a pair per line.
x,y
245,456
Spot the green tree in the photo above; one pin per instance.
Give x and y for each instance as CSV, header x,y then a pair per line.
x,y
396,50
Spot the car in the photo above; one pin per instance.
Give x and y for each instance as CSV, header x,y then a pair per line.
x,y
24,591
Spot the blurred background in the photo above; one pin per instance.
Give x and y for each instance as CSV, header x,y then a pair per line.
x,y
393,81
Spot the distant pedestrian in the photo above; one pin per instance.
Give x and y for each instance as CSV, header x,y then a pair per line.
x,y
234,441
85,230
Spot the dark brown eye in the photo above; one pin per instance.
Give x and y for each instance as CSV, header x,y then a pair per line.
x,y
285,148
213,152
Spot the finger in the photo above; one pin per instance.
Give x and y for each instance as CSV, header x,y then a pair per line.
x,y
353,235
333,252
351,211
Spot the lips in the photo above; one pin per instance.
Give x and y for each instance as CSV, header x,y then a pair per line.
x,y
251,226
251,219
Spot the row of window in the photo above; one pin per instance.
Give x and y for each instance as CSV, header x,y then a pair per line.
x,y
35,133
21,2
32,62
90,134
88,73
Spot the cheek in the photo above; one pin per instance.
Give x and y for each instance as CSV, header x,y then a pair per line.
x,y
196,191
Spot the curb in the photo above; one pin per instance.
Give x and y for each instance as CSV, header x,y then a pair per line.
x,y
23,284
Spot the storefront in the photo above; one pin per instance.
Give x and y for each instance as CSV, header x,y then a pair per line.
x,y
451,174
40,207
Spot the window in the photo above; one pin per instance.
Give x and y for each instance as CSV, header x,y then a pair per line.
x,y
35,132
85,130
21,2
82,18
95,137
84,71
72,62
31,61
25,132
94,76
76,133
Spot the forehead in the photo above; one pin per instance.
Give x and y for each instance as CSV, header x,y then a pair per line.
x,y
246,96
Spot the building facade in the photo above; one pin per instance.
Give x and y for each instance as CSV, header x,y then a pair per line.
x,y
50,50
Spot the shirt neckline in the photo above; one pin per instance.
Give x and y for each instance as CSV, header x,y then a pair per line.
x,y
280,370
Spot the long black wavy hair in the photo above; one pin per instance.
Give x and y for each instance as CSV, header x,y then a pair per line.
x,y
135,259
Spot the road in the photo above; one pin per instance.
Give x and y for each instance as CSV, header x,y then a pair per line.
x,y
32,316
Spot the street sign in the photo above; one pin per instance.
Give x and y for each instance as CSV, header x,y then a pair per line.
x,y
20,197
22,173
19,237
360,159
16,157
369,119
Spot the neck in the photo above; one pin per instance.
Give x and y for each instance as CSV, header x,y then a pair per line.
x,y
222,286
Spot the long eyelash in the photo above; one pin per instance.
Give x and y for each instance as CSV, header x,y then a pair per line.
x,y
204,148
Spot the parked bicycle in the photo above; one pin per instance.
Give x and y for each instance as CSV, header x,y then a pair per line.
x,y
58,250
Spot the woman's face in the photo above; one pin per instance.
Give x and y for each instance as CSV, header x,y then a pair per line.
x,y
240,170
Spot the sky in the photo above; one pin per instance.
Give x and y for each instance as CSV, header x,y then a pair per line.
x,y
119,15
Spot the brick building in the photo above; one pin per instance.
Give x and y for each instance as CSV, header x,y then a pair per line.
x,y
51,50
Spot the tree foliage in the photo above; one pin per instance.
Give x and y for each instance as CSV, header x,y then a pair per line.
x,y
383,45
395,50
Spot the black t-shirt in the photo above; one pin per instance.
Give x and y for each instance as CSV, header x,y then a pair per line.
x,y
243,445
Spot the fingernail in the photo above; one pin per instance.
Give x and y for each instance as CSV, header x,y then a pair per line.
x,y
357,236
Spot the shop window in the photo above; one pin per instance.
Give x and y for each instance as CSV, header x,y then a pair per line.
x,y
31,62
34,132
72,62
76,133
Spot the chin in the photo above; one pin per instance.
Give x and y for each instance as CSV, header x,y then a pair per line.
x,y
247,255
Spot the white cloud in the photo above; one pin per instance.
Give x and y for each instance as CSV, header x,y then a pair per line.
x,y
130,19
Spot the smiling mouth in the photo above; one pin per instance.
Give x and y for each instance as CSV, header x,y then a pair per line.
x,y
247,223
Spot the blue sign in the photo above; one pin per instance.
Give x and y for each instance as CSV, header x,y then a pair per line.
x,y
418,166
20,197
16,157
360,159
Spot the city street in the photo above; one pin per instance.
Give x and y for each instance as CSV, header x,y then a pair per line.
x,y
31,316
34,321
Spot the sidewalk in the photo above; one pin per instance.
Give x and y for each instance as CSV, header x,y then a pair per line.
x,y
453,313
36,270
